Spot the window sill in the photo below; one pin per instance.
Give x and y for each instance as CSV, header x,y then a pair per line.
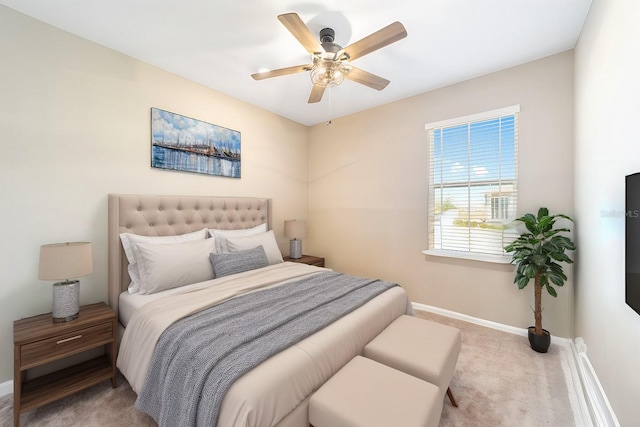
x,y
496,259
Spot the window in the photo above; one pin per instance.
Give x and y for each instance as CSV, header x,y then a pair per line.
x,y
499,207
473,182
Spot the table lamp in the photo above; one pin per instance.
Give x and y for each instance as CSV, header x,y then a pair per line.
x,y
63,261
295,230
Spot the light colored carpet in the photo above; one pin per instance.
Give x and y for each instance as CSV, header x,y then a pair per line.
x,y
499,381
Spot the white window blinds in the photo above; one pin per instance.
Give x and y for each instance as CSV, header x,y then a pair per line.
x,y
473,182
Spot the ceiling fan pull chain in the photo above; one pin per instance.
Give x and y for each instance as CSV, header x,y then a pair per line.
x,y
330,109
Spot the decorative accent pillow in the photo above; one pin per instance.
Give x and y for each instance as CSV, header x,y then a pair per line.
x,y
228,263
164,266
130,240
222,235
266,240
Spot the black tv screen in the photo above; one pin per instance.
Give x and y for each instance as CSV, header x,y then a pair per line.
x,y
632,241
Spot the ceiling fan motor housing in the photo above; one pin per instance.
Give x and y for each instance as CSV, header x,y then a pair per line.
x,y
327,35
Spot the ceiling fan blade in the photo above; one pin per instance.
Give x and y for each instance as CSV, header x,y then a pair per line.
x,y
281,72
301,32
366,78
316,93
381,38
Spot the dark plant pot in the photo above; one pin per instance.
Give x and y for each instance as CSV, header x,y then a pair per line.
x,y
539,343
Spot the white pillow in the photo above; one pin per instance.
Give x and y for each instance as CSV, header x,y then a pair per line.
x,y
130,240
222,235
266,240
164,266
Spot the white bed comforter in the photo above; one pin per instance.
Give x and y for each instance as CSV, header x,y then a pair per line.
x,y
272,393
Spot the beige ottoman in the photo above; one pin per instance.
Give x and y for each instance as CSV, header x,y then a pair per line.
x,y
367,393
419,347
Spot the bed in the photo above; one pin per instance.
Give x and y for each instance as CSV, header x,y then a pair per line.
x,y
276,391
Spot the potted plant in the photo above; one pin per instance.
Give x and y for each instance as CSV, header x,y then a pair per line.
x,y
537,254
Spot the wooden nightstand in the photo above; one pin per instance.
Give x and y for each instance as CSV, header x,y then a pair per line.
x,y
38,340
308,259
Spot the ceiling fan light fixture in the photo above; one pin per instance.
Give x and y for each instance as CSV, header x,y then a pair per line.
x,y
327,73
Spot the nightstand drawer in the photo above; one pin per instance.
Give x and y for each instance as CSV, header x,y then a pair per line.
x,y
63,345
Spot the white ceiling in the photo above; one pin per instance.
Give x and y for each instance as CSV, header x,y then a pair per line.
x,y
220,43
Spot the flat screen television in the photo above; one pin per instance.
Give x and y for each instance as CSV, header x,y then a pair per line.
x,y
632,241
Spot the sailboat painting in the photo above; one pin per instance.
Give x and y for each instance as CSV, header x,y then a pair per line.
x,y
185,144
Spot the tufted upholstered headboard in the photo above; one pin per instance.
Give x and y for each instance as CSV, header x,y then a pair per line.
x,y
153,215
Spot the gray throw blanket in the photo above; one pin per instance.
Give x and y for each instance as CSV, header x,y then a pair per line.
x,y
198,358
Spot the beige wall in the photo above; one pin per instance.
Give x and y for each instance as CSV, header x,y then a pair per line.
x,y
607,148
75,126
368,187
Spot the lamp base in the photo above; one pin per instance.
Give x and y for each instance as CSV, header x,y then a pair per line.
x,y
66,297
295,248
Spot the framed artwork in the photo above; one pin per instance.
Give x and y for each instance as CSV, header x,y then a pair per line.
x,y
189,145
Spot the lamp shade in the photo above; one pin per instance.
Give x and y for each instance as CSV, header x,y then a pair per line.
x,y
60,261
295,229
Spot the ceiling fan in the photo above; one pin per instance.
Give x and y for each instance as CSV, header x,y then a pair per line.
x,y
331,63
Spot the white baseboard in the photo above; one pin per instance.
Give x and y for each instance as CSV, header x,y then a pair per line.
x,y
597,403
589,400
6,387
488,323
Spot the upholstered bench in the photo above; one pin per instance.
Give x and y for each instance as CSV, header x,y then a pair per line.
x,y
367,393
422,348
